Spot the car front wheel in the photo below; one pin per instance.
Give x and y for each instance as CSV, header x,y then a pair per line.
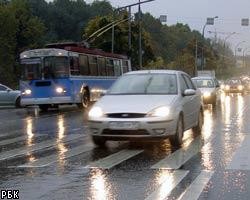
x,y
176,140
98,141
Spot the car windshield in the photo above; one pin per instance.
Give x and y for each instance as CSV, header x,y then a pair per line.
x,y
204,83
145,84
233,82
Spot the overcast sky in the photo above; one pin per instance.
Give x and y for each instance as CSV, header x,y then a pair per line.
x,y
195,12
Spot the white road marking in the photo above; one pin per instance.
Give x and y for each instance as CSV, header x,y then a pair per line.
x,y
241,158
36,147
194,191
114,159
180,156
168,185
48,160
16,139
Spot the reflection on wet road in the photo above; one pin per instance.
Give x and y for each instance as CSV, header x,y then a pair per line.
x,y
50,156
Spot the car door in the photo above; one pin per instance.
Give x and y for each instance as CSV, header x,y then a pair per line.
x,y
7,95
3,95
192,104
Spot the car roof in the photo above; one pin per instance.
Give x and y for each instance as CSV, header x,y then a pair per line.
x,y
155,72
203,77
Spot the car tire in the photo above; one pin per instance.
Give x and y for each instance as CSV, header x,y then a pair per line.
x,y
18,102
198,127
99,141
84,100
44,108
176,140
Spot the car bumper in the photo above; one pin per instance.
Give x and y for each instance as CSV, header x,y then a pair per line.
x,y
145,129
40,101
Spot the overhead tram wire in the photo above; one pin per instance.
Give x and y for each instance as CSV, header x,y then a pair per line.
x,y
105,29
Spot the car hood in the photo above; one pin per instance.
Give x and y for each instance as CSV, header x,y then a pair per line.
x,y
210,90
134,103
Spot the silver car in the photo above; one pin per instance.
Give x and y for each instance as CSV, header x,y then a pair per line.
x,y
9,96
209,88
148,104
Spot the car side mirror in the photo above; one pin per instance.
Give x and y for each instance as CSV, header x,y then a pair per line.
x,y
189,92
8,90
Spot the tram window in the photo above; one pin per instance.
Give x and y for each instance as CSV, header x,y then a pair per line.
x,y
93,66
102,66
74,66
110,67
125,66
117,67
84,67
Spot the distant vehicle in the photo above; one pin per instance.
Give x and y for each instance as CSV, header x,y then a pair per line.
x,y
209,87
233,86
9,96
148,104
206,73
68,73
246,83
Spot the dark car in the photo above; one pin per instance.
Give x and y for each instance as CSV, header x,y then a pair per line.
x,y
233,86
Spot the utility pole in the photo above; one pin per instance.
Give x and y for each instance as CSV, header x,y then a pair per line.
x,y
140,50
140,27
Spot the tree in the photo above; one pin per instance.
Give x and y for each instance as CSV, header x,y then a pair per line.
x,y
121,38
22,31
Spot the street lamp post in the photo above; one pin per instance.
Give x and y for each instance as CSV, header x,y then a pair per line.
x,y
210,21
224,47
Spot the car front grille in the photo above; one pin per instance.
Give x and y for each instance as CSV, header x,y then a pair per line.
x,y
126,115
125,132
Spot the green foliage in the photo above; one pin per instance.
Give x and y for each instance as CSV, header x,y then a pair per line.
x,y
32,23
21,31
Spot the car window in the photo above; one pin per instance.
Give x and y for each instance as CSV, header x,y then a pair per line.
x,y
2,88
189,82
183,84
204,83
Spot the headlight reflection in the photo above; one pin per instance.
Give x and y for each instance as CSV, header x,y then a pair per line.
x,y
60,145
100,189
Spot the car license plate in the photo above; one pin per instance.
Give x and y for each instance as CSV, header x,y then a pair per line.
x,y
123,125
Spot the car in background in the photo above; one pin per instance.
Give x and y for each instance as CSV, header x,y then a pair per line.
x,y
147,104
209,87
246,83
9,96
233,86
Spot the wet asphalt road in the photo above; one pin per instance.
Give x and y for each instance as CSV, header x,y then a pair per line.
x,y
50,156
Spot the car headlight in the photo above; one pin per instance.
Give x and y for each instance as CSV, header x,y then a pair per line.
x,y
162,111
27,92
60,90
240,87
206,94
95,112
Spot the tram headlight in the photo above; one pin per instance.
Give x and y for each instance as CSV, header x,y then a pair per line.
x,y
60,90
27,92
